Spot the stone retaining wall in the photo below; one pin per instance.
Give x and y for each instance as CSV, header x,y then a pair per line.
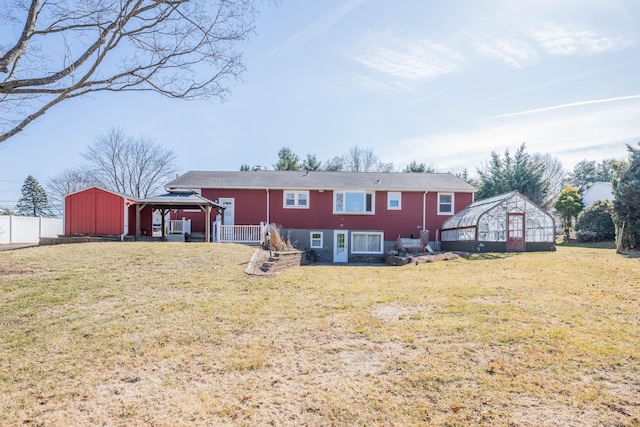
x,y
76,239
281,260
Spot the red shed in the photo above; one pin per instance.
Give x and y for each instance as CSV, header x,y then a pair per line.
x,y
96,211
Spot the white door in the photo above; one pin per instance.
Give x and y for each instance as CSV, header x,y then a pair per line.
x,y
340,246
228,220
228,211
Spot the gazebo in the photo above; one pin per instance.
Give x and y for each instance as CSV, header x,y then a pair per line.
x,y
506,223
178,200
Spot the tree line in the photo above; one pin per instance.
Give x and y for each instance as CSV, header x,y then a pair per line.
x,y
139,167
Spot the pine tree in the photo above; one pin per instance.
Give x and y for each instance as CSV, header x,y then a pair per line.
x,y
519,172
287,160
34,200
626,205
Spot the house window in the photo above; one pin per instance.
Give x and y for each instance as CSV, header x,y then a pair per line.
x,y
367,242
445,203
296,199
315,237
353,202
394,201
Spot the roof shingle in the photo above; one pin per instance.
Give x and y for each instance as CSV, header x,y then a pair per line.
x,y
303,180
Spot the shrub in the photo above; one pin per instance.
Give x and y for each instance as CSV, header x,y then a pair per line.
x,y
595,223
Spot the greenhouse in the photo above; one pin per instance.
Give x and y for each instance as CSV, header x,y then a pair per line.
x,y
505,223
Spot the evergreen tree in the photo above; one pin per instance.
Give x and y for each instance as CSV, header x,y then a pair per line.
x,y
34,200
584,174
311,163
288,160
415,167
519,172
245,168
334,165
569,204
626,204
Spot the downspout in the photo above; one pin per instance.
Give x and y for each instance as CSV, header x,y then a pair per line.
x,y
424,210
126,221
268,204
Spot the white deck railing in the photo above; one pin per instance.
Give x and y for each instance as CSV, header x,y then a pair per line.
x,y
238,233
180,226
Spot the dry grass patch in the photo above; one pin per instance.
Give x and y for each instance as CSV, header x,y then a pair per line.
x,y
177,334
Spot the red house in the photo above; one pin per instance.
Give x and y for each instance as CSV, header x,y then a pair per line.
x,y
341,216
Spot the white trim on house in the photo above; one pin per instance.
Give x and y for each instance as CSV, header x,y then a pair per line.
x,y
443,203
340,246
319,239
295,199
394,200
370,237
342,202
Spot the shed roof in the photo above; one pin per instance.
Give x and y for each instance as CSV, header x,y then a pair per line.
x,y
124,196
314,180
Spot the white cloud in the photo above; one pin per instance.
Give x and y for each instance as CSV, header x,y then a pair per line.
x,y
317,27
371,84
593,132
569,105
563,40
514,53
409,60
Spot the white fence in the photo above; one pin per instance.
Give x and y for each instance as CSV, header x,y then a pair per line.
x,y
26,229
180,226
238,233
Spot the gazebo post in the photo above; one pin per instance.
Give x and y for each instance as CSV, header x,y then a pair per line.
x,y
138,209
207,224
162,212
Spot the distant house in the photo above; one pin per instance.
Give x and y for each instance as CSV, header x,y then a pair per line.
x,y
597,191
341,216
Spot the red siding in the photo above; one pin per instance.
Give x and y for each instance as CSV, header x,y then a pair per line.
x,y
250,208
94,211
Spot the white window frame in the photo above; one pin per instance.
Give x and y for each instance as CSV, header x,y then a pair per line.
x,y
296,199
364,195
311,239
440,203
367,233
389,200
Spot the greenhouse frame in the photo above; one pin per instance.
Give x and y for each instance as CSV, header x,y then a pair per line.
x,y
506,223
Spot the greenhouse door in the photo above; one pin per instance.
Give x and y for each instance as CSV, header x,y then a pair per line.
x,y
515,239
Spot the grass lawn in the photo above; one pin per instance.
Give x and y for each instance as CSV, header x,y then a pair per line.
x,y
123,334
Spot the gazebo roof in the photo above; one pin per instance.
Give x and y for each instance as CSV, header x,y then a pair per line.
x,y
178,200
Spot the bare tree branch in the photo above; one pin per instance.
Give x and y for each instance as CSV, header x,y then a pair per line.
x,y
179,48
19,49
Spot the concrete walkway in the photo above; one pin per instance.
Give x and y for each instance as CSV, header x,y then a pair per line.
x,y
12,246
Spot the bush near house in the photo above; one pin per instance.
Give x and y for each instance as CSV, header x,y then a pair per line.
x,y
595,223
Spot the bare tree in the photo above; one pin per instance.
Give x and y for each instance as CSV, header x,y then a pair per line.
x,y
138,167
364,160
68,181
52,50
554,174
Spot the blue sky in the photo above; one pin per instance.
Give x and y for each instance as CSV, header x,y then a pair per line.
x,y
444,83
